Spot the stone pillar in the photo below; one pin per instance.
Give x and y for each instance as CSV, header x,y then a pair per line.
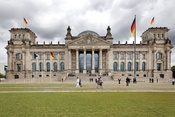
x,y
133,64
168,59
140,61
93,71
44,63
118,65
154,59
58,61
9,60
126,62
70,62
84,70
77,61
51,64
37,64
100,60
23,60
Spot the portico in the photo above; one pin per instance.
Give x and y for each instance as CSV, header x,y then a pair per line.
x,y
88,60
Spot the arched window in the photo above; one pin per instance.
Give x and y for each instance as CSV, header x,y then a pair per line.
x,y
137,66
129,66
143,66
33,66
47,66
158,55
122,66
62,66
19,56
41,66
55,68
115,66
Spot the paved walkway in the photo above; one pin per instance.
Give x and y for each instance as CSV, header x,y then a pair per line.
x,y
87,87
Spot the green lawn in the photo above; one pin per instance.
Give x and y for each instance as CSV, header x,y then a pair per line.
x,y
87,104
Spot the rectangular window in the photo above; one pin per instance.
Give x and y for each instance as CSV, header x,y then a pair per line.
x,y
137,56
40,56
129,56
62,57
19,67
158,66
55,56
48,56
115,56
122,56
143,56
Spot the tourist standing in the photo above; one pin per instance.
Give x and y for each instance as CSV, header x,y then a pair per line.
x,y
173,81
119,79
127,81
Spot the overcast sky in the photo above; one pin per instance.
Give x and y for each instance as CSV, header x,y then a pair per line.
x,y
49,19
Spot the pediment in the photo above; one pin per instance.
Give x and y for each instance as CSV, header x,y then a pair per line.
x,y
89,40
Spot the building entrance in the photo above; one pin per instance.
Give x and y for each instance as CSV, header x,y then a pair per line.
x,y
88,62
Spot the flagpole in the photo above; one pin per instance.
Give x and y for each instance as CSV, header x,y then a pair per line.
x,y
135,52
50,69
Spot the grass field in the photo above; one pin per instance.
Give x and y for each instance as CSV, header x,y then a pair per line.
x,y
48,100
87,104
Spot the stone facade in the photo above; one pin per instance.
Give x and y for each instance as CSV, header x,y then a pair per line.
x,y
89,52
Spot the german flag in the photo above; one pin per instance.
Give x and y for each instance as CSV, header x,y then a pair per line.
x,y
133,27
152,21
25,21
51,56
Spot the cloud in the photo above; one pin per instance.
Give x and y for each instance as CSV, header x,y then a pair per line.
x,y
49,19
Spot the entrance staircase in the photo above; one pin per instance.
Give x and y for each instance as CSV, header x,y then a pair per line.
x,y
87,77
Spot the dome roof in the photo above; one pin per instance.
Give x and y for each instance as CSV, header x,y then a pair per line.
x,y
88,32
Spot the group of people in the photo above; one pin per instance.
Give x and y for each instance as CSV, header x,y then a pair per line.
x,y
99,82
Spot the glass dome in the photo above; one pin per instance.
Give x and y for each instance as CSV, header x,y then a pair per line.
x,y
88,32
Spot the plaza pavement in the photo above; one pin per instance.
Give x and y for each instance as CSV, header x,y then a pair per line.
x,y
70,86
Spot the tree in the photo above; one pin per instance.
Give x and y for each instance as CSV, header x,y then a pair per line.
x,y
2,75
173,70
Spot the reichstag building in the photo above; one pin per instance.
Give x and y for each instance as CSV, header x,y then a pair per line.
x,y
88,53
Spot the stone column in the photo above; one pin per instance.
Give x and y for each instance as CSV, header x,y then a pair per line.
x,y
23,60
92,71
133,64
58,61
9,60
51,63
70,62
126,62
100,60
118,65
84,70
37,64
140,61
154,59
77,61
44,63
168,59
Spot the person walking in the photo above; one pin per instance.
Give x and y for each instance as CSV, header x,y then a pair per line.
x,y
80,83
97,81
101,83
77,82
